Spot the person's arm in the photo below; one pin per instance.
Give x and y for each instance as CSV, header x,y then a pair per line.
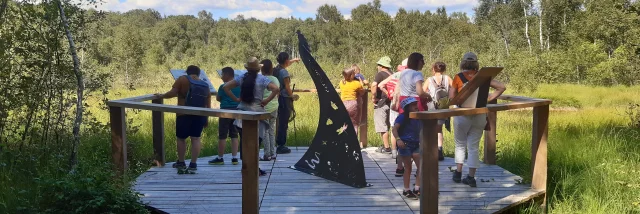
x,y
499,89
227,89
287,86
206,123
421,93
395,100
170,94
395,129
383,85
425,87
275,90
374,91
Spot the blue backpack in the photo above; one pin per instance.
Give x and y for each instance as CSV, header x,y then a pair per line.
x,y
198,93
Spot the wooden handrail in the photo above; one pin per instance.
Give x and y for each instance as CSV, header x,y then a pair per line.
x,y
429,143
223,113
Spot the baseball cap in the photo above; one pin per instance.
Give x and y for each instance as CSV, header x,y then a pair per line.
x,y
470,56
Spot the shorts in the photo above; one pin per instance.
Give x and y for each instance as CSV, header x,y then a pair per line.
x,y
189,126
408,150
381,119
393,115
226,128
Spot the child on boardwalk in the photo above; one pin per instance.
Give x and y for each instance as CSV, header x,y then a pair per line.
x,y
407,132
271,107
351,89
225,125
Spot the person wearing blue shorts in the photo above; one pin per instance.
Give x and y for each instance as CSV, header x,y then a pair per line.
x,y
407,132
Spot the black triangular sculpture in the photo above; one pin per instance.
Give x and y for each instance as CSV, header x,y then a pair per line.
x,y
334,153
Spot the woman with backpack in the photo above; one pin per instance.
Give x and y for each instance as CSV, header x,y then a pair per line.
x,y
468,129
438,86
252,87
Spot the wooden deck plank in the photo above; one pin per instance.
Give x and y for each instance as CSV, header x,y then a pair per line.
x,y
218,188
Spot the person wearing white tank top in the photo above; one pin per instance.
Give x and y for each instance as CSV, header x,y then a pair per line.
x,y
438,81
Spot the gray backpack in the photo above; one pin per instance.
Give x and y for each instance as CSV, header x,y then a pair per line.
x,y
441,95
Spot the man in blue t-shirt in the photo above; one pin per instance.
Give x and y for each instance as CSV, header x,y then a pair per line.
x,y
285,100
225,125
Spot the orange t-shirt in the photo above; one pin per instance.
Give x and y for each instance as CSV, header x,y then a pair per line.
x,y
457,82
182,84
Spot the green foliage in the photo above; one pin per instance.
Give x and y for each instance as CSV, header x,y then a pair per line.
x,y
633,113
95,193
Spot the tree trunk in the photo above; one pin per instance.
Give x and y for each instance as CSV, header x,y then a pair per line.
x,y
3,8
541,39
506,43
73,159
526,26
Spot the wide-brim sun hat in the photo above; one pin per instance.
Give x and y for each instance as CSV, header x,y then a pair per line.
x,y
407,101
385,61
253,64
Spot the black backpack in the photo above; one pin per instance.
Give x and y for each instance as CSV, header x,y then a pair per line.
x,y
198,93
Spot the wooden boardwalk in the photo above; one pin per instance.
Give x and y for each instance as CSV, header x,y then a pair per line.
x,y
218,189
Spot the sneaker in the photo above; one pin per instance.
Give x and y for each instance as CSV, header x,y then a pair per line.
x,y
409,194
440,154
471,181
178,164
394,154
193,167
217,161
399,172
262,172
416,192
234,161
283,150
387,150
457,177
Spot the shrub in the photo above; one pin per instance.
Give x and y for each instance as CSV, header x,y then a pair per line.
x,y
78,193
633,113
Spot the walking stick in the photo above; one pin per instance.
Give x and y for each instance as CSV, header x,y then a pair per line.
x,y
295,128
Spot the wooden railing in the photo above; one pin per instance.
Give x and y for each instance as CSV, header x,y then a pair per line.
x,y
429,142
250,146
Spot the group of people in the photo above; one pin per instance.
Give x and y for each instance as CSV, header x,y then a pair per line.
x,y
394,96
249,92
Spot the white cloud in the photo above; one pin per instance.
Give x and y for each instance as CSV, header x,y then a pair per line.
x,y
310,6
347,16
176,7
265,14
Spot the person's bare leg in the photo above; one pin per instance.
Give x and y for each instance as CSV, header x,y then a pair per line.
x,y
416,159
195,149
395,148
472,172
406,178
182,148
385,139
221,144
459,169
440,135
234,147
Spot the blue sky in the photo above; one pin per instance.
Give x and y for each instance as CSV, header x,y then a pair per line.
x,y
270,9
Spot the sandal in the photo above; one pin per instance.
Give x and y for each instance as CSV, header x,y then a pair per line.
x,y
262,172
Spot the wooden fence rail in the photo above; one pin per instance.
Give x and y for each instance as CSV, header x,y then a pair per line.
x,y
250,196
429,141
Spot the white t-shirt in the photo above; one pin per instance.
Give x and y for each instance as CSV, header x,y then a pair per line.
x,y
407,81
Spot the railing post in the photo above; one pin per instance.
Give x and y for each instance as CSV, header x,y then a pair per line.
x,y
364,118
158,134
490,137
429,167
539,147
118,139
250,188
